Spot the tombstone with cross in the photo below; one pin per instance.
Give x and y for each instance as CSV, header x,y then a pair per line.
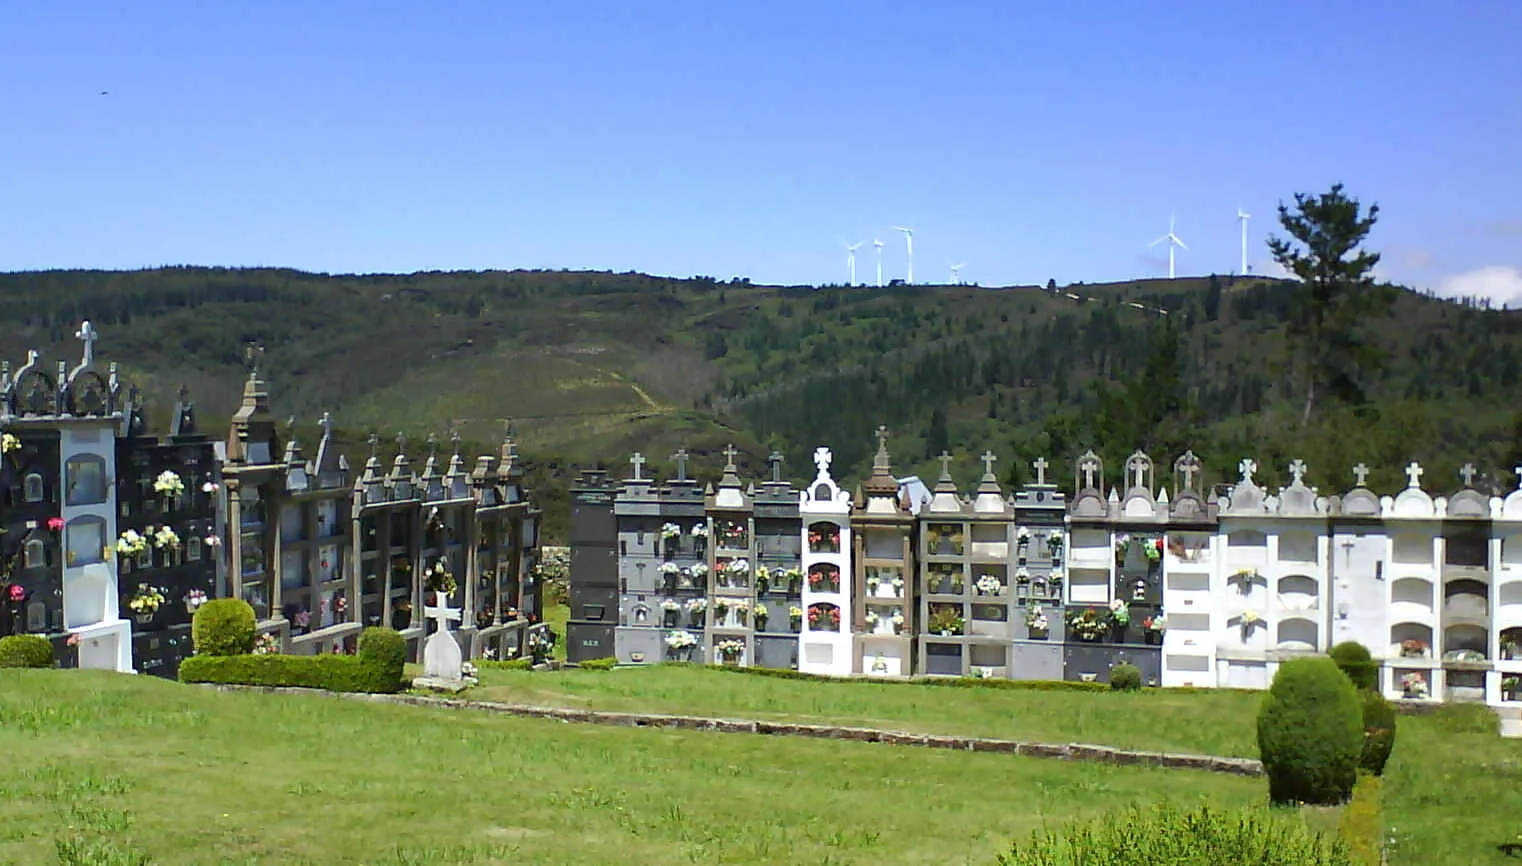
x,y
680,458
638,462
1040,465
774,460
442,659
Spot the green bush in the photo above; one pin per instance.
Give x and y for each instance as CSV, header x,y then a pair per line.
x,y
606,664
1310,733
1362,825
1356,662
223,627
505,664
1378,732
1167,834
1125,678
377,668
25,651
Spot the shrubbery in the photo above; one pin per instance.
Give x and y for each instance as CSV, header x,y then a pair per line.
x,y
606,664
953,682
1125,678
1378,732
1310,733
25,651
223,627
377,668
1355,661
1167,834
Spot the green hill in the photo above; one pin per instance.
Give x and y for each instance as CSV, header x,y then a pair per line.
x,y
592,366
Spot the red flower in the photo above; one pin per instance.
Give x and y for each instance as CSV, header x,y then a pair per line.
x,y
1159,544
18,592
55,523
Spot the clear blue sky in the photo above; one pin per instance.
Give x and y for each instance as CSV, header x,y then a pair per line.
x,y
1031,140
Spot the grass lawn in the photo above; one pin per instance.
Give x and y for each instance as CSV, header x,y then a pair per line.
x,y
186,775
1213,722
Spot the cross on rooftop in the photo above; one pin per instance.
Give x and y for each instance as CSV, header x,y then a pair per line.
x,y
87,335
822,457
454,440
326,423
433,444
253,353
1467,472
681,463
945,464
774,459
1414,472
988,462
183,394
1361,472
1297,469
1040,467
729,455
1248,466
1140,469
1088,469
401,442
882,437
639,466
374,441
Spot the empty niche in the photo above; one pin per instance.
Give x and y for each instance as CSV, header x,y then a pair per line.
x,y
1298,592
1467,599
1297,547
1247,538
1412,590
1467,548
1297,634
1412,547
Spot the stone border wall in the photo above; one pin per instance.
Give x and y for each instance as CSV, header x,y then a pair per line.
x,y
1069,752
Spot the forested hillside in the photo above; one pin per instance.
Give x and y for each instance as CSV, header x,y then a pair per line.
x,y
592,366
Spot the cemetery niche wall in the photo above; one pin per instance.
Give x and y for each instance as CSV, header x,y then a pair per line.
x,y
1198,585
114,536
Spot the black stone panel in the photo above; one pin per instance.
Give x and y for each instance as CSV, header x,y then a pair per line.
x,y
586,641
1081,658
594,604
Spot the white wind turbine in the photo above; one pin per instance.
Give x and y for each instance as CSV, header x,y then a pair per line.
x,y
879,245
955,269
1243,216
851,259
1174,242
909,245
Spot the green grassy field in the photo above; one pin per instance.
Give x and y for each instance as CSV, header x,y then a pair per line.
x,y
185,775
1168,720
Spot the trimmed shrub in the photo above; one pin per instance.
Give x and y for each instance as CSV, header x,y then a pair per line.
x,y
1125,678
1310,733
1362,825
606,664
1356,662
505,664
223,627
25,651
1378,732
1167,834
377,668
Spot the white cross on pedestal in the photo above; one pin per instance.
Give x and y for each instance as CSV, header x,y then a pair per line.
x,y
1188,469
441,654
1140,469
945,464
1088,475
988,462
822,458
1361,473
86,334
639,465
1467,473
1040,467
1297,469
1248,466
1414,473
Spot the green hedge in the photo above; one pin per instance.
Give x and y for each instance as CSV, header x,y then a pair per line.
x,y
504,664
1310,733
377,668
1357,663
25,651
606,664
1125,678
1378,732
952,682
223,627
1166,834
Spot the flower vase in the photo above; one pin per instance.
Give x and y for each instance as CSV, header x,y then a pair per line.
x,y
670,619
760,623
143,618
796,624
697,620
670,584
1118,633
1152,637
1038,634
795,585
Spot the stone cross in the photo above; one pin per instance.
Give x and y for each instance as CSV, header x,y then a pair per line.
x,y
945,464
253,353
775,459
729,455
326,423
454,440
401,443
1414,472
433,444
441,653
1361,473
374,441
681,463
1467,473
1297,469
1248,466
1188,469
988,462
1088,474
183,394
1140,469
822,458
882,438
86,334
638,460
1040,467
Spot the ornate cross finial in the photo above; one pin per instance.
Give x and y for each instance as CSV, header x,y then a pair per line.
x,y
433,444
945,465
1361,474
401,442
326,423
374,441
774,459
1414,474
1089,466
822,459
454,440
988,462
1467,472
1297,470
1040,467
1247,467
86,334
183,395
638,461
253,354
509,429
680,457
882,437
729,455
290,427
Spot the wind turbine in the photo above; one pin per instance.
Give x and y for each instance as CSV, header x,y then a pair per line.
x,y
851,259
954,270
1243,216
1173,241
879,245
909,244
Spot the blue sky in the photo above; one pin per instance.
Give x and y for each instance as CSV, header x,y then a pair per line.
x,y
1029,140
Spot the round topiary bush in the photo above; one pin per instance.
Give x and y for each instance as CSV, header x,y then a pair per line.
x,y
223,627
1378,732
1125,678
383,652
1310,733
25,651
1356,662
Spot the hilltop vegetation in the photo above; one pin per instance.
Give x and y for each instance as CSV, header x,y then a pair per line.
x,y
592,366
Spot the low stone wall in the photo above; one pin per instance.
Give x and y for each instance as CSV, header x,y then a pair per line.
x,y
1068,752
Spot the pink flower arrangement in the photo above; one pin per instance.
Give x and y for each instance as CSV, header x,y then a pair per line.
x,y
55,524
18,592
